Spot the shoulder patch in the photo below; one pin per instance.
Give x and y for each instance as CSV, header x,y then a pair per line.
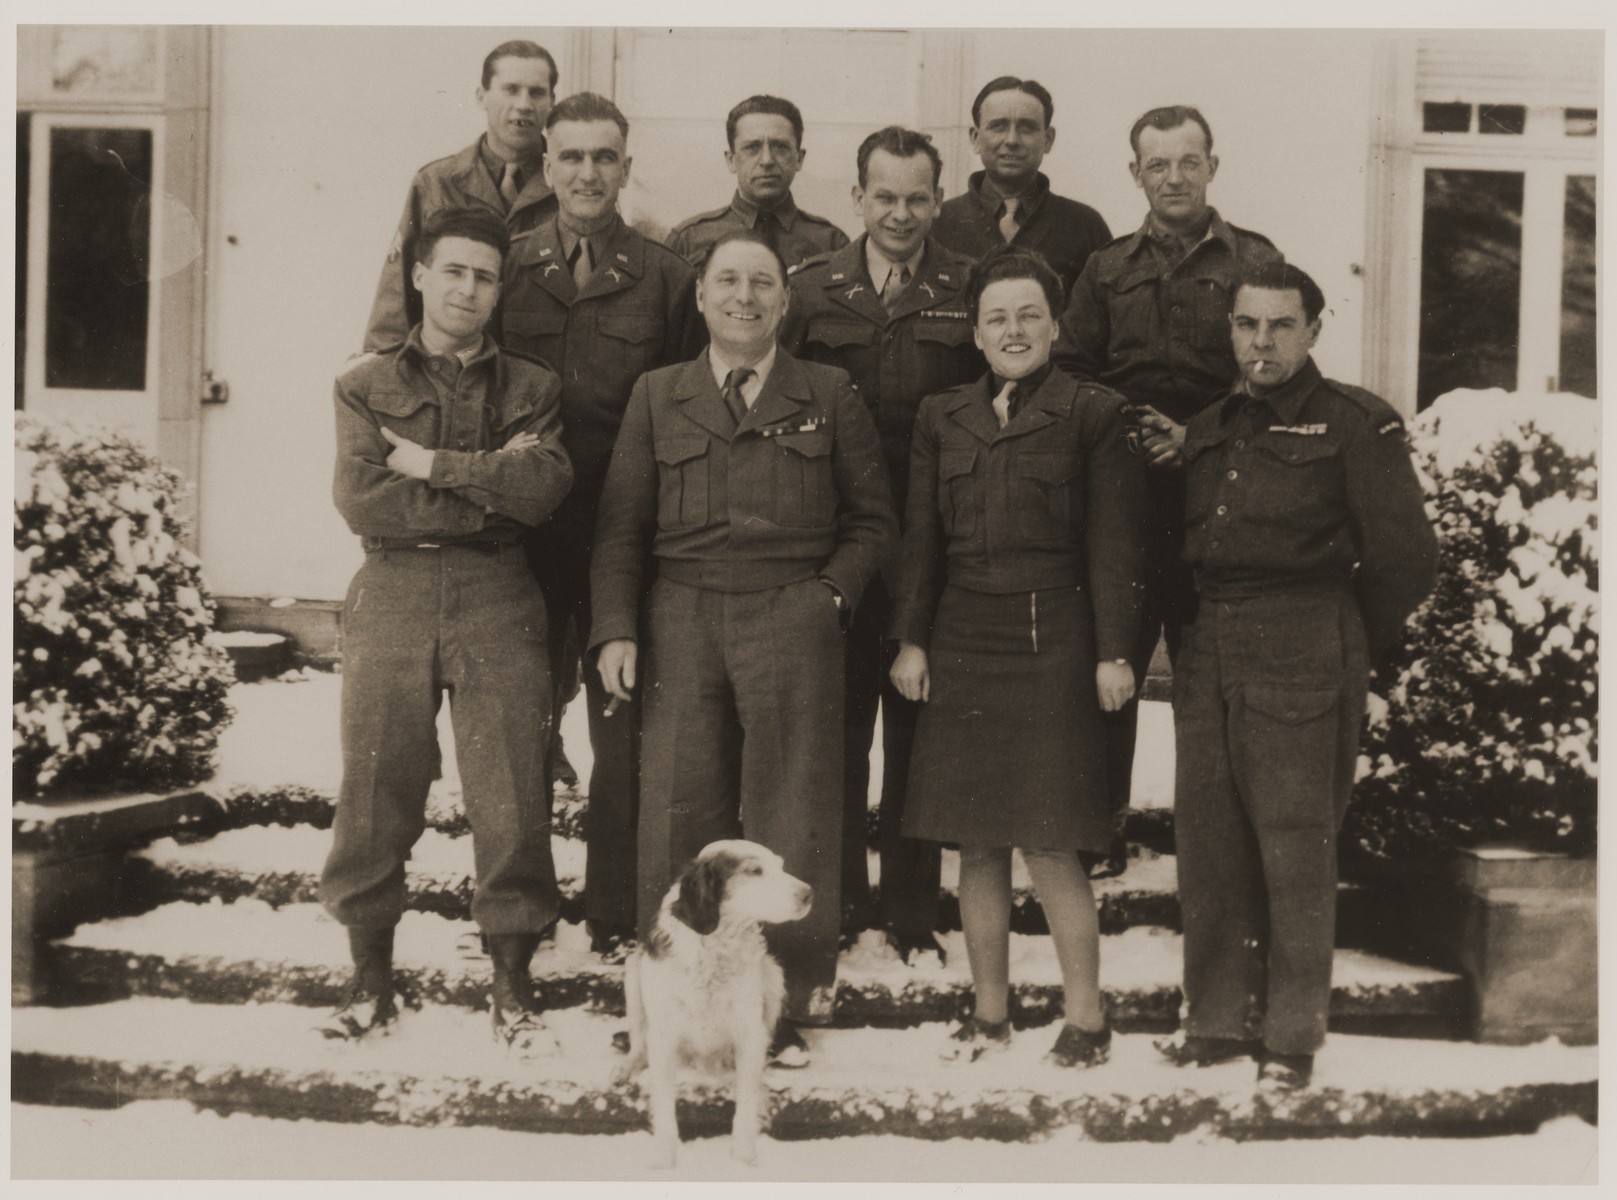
x,y
1394,425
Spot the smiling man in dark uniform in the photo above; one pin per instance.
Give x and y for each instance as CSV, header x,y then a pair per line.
x,y
1308,534
601,304
500,171
891,311
1009,200
755,483
1149,317
765,134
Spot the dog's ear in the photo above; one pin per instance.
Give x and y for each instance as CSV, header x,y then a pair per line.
x,y
701,889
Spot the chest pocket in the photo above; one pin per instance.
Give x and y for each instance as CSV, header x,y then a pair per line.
x,y
1131,302
1297,482
837,340
1211,301
630,343
805,492
535,330
1202,471
1042,488
957,499
682,481
408,414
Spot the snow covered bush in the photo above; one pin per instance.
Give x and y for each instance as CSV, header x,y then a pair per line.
x,y
1484,723
113,682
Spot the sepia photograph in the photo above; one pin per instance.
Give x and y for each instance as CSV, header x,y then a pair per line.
x,y
937,604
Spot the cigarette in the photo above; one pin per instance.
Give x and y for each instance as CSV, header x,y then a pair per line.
x,y
612,706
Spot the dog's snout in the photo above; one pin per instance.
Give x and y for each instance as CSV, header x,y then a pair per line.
x,y
805,898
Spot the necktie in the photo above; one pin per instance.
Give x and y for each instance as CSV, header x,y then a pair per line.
x,y
511,184
769,226
1008,222
1003,403
733,399
582,265
898,279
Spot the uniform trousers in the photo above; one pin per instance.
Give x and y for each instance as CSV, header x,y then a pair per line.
x,y
1269,696
743,738
910,868
467,622
559,553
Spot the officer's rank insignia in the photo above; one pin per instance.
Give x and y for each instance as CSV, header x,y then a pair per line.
x,y
855,290
927,288
1304,430
623,258
838,276
1390,426
944,276
808,425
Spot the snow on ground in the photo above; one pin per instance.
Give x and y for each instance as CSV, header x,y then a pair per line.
x,y
1142,957
156,1139
443,1043
285,733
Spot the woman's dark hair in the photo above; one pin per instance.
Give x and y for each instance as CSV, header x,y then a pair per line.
x,y
1012,262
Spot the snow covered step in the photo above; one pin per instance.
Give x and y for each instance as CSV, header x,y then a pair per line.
x,y
281,865
250,952
442,1068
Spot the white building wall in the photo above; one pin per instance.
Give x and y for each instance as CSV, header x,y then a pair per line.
x,y
310,176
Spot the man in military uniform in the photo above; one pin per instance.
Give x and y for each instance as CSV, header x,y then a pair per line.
x,y
602,305
766,152
1311,546
1010,199
1149,316
755,482
500,171
447,448
891,311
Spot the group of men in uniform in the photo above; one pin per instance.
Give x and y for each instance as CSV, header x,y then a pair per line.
x,y
702,446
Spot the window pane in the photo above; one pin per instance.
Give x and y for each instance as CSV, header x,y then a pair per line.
x,y
1578,288
99,243
1582,122
1501,118
1447,118
1470,286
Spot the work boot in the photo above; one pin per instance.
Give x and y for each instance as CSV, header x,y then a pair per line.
x,y
610,941
518,1020
1279,1074
1190,1050
787,1049
371,1006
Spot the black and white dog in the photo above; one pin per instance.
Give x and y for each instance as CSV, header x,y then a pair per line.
x,y
703,993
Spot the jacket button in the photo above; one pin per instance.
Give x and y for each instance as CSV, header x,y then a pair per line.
x,y
1223,509
1233,474
1240,443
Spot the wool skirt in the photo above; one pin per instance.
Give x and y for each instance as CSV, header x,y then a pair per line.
x,y
1010,749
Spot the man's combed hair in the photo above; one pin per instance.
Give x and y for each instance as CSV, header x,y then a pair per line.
x,y
750,236
474,224
588,106
900,143
1012,262
1171,116
1283,277
771,106
1010,83
519,49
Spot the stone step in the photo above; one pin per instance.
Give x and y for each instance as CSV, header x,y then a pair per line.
x,y
280,865
441,1068
248,952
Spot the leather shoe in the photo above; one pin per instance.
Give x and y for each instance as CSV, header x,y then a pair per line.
x,y
1189,1050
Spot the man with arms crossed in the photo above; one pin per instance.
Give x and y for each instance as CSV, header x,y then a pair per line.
x,y
447,449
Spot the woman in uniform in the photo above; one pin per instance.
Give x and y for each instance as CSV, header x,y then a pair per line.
x,y
1017,600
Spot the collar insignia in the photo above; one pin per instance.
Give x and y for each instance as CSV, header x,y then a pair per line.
x,y
927,288
838,276
550,266
855,290
613,271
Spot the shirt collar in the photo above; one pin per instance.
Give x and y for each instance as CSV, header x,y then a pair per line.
x,y
880,266
598,240
991,201
414,344
1217,230
1025,386
785,212
760,370
496,164
1286,401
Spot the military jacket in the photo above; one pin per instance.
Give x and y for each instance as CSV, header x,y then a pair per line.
x,y
637,312
802,235
1160,338
796,491
895,359
466,414
459,181
1064,231
1054,499
1310,484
